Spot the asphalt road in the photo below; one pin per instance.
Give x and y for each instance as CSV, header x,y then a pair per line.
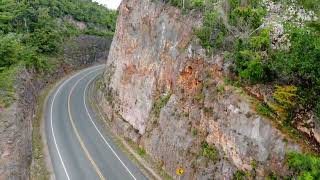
x,y
79,148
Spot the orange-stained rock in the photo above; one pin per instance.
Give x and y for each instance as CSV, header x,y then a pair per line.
x,y
154,56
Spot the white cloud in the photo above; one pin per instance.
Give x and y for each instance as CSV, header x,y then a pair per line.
x,y
111,4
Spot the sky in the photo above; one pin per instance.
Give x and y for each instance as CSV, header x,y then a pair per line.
x,y
111,4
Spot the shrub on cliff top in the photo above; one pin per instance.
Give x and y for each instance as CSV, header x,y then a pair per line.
x,y
10,47
160,103
305,166
285,100
212,33
250,60
208,151
250,66
300,65
264,110
247,17
197,4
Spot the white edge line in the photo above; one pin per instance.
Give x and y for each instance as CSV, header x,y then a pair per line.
x,y
51,117
95,166
84,101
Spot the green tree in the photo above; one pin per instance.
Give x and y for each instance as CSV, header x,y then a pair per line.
x,y
305,166
33,30
285,98
10,48
248,57
300,64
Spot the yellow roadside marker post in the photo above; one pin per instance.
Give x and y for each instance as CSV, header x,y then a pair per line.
x,y
179,172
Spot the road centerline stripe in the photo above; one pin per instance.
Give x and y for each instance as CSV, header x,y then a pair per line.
x,y
96,168
51,119
84,101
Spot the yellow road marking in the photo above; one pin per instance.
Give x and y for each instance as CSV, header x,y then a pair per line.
x,y
96,168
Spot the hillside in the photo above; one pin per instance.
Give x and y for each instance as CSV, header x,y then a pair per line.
x,y
225,89
40,42
32,31
199,89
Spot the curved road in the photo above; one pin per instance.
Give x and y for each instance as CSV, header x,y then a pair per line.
x,y
78,147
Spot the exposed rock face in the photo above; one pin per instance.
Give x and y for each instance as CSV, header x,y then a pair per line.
x,y
154,56
16,121
79,24
86,49
15,138
150,40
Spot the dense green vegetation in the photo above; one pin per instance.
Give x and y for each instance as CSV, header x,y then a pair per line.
x,y
32,31
234,27
304,166
212,29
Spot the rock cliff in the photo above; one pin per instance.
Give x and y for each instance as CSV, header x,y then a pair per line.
x,y
162,92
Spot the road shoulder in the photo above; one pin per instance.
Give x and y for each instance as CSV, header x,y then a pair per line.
x,y
129,149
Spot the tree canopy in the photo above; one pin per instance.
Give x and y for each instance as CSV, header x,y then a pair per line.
x,y
31,30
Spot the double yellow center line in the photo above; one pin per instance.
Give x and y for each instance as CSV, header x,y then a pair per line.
x,y
95,167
